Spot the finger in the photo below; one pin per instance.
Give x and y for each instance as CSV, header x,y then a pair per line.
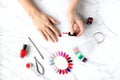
x,y
80,24
53,20
48,36
55,30
52,36
71,27
76,29
43,35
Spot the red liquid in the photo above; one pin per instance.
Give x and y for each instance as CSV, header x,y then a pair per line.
x,y
23,53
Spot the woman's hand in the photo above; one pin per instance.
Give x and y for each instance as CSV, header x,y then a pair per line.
x,y
76,24
44,24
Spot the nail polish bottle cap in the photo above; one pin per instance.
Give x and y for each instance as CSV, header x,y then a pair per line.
x,y
74,34
24,46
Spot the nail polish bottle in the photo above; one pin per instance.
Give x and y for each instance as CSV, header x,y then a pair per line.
x,y
89,21
23,52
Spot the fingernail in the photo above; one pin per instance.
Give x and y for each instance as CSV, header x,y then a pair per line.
x,y
58,22
55,41
60,35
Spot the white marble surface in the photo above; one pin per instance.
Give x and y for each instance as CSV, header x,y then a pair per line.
x,y
103,59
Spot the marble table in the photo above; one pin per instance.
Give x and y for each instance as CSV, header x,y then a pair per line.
x,y
103,59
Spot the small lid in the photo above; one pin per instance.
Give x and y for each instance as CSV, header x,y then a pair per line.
x,y
74,34
25,46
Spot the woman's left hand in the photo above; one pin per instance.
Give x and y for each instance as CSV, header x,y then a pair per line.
x,y
76,24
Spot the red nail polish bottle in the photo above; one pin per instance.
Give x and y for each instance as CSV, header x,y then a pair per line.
x,y
89,21
23,52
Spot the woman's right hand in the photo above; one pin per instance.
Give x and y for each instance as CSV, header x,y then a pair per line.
x,y
44,24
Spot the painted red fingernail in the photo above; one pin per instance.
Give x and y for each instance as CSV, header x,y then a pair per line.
x,y
60,35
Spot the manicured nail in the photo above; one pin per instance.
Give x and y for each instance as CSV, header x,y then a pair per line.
x,y
60,35
57,22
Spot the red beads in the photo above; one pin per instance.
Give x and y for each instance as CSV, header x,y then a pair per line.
x,y
28,65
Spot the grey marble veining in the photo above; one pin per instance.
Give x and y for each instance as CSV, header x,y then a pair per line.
x,y
103,63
